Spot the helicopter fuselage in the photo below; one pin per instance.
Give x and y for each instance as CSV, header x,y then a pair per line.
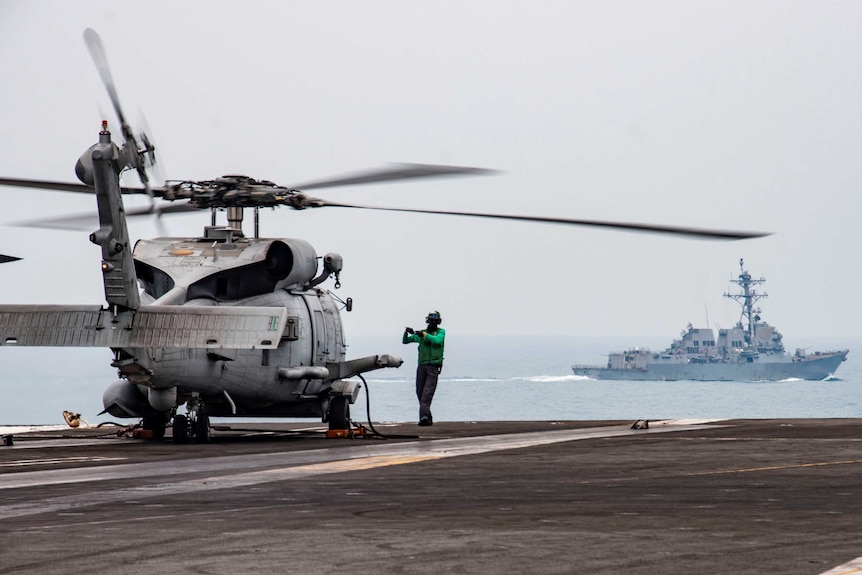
x,y
223,269
225,324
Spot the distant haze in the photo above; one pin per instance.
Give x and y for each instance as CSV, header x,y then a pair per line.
x,y
730,115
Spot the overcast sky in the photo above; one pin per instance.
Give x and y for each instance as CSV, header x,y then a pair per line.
x,y
732,115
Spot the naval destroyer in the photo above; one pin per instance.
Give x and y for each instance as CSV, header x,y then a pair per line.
x,y
752,350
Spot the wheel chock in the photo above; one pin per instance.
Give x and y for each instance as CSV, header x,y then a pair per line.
x,y
142,433
347,433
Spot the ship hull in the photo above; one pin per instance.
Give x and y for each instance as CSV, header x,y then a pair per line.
x,y
811,368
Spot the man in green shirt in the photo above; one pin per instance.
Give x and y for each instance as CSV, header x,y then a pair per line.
x,y
430,342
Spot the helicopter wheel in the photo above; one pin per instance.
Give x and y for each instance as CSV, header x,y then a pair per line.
x,y
339,412
181,429
156,425
202,427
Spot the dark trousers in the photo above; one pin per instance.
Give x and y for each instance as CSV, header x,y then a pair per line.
x,y
426,385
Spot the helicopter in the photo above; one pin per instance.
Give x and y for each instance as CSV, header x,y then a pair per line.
x,y
223,324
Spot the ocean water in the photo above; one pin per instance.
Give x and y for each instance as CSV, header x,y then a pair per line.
x,y
529,378
484,378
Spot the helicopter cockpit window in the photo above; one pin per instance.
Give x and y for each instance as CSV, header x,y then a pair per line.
x,y
154,281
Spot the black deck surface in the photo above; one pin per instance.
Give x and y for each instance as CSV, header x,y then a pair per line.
x,y
763,496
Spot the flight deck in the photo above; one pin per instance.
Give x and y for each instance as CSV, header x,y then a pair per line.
x,y
751,496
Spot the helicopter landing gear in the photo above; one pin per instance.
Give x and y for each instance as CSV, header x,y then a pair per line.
x,y
339,412
201,427
181,429
195,425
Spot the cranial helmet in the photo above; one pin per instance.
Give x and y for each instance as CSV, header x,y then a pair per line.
x,y
433,318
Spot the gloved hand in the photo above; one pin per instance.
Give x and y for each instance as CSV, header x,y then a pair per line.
x,y
421,333
408,330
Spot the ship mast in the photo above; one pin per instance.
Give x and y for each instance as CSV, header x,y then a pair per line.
x,y
747,299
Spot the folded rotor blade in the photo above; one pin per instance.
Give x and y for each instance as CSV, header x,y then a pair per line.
x,y
394,173
634,227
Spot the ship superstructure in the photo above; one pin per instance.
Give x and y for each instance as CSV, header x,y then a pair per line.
x,y
752,350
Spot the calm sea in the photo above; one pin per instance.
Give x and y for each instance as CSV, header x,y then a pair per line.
x,y
484,379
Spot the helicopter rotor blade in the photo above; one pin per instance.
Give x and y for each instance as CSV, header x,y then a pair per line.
x,y
86,221
136,156
4,259
75,222
183,208
154,158
97,52
395,172
61,186
47,185
154,162
628,226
